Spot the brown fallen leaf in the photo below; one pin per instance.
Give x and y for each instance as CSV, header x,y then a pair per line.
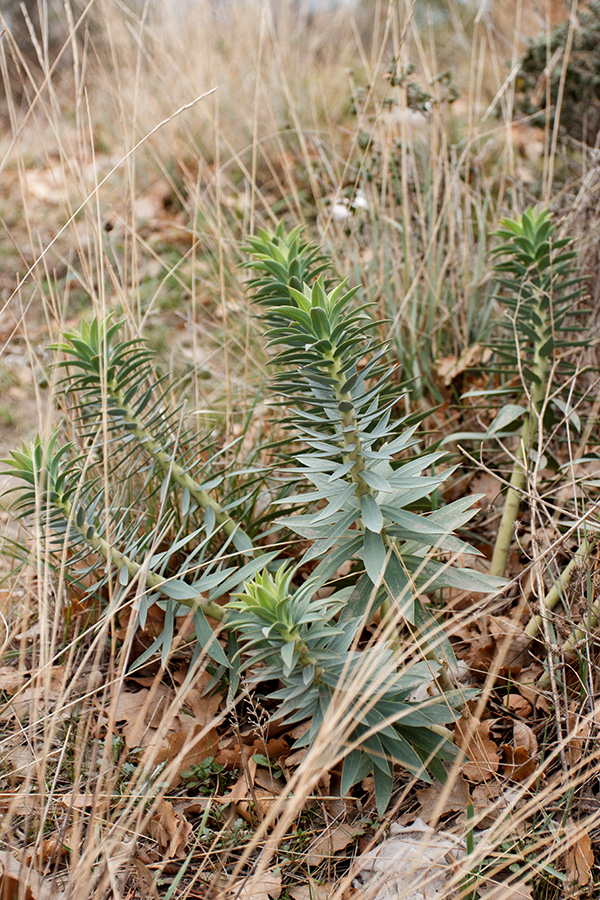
x,y
146,878
171,832
192,748
580,732
518,764
430,799
511,640
19,803
485,796
205,707
517,891
474,738
450,367
19,759
579,856
11,679
524,736
311,891
258,887
479,653
330,842
518,705
526,684
27,699
17,880
52,848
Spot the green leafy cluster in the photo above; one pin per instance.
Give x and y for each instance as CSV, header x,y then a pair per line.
x,y
113,388
539,287
330,370
354,489
291,637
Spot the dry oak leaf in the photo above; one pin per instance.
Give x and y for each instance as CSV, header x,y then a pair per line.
x,y
450,367
580,732
517,891
28,698
10,679
519,762
330,842
479,653
524,736
19,881
171,832
518,705
432,805
312,891
517,765
511,640
266,886
143,713
474,738
52,848
579,856
205,707
19,803
190,748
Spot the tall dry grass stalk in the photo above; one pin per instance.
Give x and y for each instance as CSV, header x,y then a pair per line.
x,y
252,100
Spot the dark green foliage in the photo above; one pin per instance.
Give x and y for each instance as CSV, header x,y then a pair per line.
x,y
580,110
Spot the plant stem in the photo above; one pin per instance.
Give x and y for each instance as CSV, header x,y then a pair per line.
x,y
177,472
518,478
120,560
512,503
350,431
557,591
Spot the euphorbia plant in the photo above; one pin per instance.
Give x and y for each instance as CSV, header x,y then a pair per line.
x,y
539,286
161,527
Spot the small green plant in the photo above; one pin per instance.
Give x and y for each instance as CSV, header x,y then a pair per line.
x,y
538,287
137,510
207,777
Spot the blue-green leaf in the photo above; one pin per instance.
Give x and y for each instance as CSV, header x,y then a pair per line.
x,y
508,414
207,638
375,481
371,514
383,789
287,655
374,554
178,590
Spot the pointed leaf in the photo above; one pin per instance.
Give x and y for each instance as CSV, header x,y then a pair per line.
x,y
374,555
371,514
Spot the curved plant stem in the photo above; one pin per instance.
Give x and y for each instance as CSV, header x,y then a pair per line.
x,y
176,471
120,560
557,591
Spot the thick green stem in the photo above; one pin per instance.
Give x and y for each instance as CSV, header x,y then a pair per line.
x,y
120,560
350,430
518,478
305,660
512,503
177,472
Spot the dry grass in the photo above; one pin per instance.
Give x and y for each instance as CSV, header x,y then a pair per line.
x,y
140,145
